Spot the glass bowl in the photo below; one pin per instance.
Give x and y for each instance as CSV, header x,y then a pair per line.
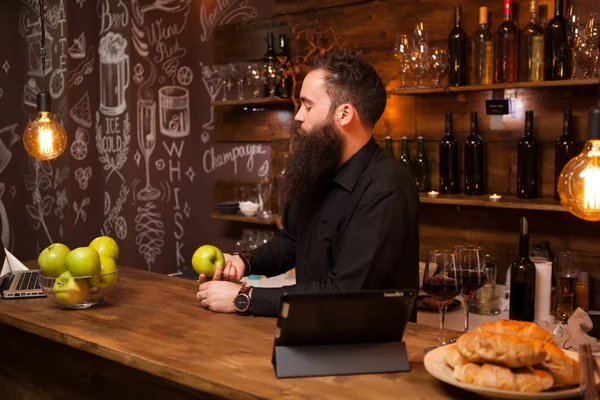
x,y
78,292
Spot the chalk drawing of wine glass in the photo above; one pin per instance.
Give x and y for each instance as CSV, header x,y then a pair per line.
x,y
147,141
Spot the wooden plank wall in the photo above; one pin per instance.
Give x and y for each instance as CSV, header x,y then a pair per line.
x,y
371,26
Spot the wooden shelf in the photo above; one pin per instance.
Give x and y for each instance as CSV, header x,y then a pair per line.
x,y
507,201
262,100
243,218
497,86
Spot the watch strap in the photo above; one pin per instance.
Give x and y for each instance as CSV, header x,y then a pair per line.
x,y
246,257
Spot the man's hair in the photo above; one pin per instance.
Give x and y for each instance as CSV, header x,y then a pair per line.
x,y
349,78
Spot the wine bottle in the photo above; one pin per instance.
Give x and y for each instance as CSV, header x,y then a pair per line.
x,y
448,160
283,54
405,155
564,150
474,160
421,167
532,47
457,52
522,281
557,54
528,162
270,59
389,147
507,43
484,50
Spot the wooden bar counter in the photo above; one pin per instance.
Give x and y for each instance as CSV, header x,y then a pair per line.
x,y
151,339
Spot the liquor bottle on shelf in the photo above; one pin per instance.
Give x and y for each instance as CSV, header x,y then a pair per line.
x,y
528,162
283,53
522,281
405,155
532,47
564,150
457,53
449,160
474,160
270,61
421,167
389,146
557,52
507,44
483,42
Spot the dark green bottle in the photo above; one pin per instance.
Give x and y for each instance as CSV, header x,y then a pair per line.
x,y
389,146
405,155
421,167
528,168
564,149
522,281
474,161
449,160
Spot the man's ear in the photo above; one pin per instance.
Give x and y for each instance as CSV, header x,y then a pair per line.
x,y
344,114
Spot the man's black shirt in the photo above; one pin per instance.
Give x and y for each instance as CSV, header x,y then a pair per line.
x,y
358,231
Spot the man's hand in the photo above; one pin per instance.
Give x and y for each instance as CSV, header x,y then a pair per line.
x,y
232,271
218,296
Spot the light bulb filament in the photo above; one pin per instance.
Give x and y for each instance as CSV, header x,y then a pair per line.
x,y
45,141
591,188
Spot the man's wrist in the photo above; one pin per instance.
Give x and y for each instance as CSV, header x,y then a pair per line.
x,y
246,258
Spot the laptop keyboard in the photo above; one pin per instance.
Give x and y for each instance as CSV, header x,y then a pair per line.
x,y
28,281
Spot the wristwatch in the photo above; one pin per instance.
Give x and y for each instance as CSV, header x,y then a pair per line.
x,y
242,300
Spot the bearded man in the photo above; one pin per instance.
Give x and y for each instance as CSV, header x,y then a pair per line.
x,y
350,220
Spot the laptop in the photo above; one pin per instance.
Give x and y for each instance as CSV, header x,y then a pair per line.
x,y
16,281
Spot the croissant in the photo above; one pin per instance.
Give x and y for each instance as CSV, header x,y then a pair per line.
x,y
497,377
563,368
516,328
497,348
453,357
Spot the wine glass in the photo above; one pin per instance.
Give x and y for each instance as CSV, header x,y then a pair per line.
x,y
439,63
402,53
254,78
146,136
584,54
470,264
441,282
594,39
271,77
420,51
573,31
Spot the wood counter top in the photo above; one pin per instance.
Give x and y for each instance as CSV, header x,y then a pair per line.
x,y
153,323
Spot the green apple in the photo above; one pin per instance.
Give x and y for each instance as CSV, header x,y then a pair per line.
x,y
105,246
206,259
53,259
83,261
68,290
107,266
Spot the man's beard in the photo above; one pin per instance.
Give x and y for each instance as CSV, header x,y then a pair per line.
x,y
315,159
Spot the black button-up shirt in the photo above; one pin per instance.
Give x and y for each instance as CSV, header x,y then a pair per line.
x,y
358,231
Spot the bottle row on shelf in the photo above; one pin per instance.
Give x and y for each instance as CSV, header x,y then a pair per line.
x,y
473,182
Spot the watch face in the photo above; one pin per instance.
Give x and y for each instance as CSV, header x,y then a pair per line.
x,y
241,303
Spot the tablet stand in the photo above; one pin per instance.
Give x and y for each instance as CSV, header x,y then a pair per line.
x,y
339,359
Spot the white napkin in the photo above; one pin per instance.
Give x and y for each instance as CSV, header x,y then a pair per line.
x,y
15,264
574,333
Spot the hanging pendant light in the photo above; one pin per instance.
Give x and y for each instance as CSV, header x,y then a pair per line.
x,y
579,180
44,138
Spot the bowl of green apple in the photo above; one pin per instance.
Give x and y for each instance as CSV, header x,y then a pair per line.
x,y
82,277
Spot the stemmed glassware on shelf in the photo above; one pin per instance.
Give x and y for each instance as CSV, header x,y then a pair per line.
x,y
254,78
441,281
402,54
239,71
573,32
420,52
439,63
271,76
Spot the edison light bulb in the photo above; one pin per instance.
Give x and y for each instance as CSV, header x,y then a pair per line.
x,y
44,138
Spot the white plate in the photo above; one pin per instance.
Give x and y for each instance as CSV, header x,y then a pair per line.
x,y
436,366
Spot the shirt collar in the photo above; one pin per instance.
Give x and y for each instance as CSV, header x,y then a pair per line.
x,y
348,174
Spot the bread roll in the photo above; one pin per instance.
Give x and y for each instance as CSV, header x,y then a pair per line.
x,y
453,357
497,348
516,328
497,377
563,368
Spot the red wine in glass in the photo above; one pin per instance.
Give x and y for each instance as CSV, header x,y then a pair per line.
x,y
442,288
471,280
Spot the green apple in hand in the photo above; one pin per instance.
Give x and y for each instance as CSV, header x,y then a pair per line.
x,y
105,246
83,261
53,259
206,259
107,266
68,290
